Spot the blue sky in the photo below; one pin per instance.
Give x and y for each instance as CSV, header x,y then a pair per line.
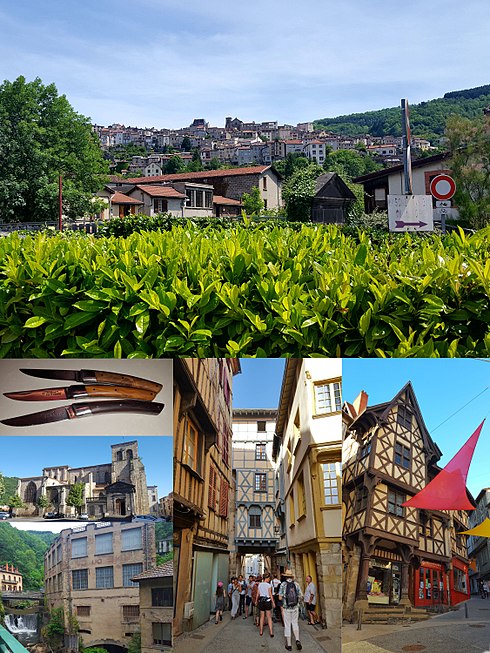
x,y
23,456
442,387
163,63
259,384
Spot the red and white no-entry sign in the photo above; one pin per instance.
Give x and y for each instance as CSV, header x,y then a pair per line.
x,y
442,187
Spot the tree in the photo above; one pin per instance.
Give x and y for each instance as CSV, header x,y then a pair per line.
x,y
196,164
54,630
186,145
174,165
298,194
469,143
350,163
214,164
75,497
42,137
253,202
2,484
134,645
14,502
42,503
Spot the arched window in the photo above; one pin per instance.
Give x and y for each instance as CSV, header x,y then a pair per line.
x,y
30,492
255,517
119,456
129,454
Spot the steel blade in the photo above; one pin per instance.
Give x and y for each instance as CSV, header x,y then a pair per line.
x,y
39,395
43,417
44,373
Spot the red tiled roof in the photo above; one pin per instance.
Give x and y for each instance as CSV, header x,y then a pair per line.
x,y
160,191
218,199
183,176
121,198
163,571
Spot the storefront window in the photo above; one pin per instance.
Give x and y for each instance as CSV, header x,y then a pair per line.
x,y
384,582
459,580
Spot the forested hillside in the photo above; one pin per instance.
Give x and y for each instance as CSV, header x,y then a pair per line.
x,y
10,488
427,119
25,550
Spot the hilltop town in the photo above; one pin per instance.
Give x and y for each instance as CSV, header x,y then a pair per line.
x,y
241,143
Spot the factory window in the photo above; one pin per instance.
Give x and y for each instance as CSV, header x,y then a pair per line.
x,y
129,571
103,543
104,577
131,539
79,579
79,547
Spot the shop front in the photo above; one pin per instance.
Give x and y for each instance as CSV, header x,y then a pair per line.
x,y
430,584
384,582
459,581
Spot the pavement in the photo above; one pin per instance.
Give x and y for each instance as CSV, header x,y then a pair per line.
x,y
451,632
241,636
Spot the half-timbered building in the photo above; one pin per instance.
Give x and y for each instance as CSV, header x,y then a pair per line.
x,y
202,480
307,450
256,525
396,555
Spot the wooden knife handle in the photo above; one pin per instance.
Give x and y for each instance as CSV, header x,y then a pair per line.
x,y
116,406
119,391
128,381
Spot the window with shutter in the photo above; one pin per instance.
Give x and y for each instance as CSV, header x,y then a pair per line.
x,y
223,499
212,488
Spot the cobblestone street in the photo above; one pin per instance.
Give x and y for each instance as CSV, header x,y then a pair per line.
x,y
241,636
446,633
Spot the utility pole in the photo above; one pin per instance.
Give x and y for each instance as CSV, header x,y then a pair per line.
x,y
407,161
60,207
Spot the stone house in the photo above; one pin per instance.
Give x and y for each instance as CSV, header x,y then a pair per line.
x,y
156,608
115,489
231,183
89,572
10,578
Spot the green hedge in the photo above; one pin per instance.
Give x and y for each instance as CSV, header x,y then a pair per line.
x,y
241,291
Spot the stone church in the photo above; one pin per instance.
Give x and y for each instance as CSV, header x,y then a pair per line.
x,y
114,490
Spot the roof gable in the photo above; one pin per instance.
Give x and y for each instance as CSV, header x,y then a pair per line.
x,y
330,185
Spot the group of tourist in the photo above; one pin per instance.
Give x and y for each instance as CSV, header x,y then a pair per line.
x,y
268,599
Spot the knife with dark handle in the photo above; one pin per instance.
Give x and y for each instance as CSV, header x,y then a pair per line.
x,y
84,410
95,376
76,391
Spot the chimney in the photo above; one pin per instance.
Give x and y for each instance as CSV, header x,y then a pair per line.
x,y
360,403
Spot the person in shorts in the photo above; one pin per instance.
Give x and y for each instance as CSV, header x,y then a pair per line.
x,y
310,601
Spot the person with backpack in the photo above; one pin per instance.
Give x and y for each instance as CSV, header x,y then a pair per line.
x,y
290,595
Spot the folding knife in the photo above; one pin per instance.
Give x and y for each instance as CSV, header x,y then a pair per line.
x,y
76,391
84,410
95,376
